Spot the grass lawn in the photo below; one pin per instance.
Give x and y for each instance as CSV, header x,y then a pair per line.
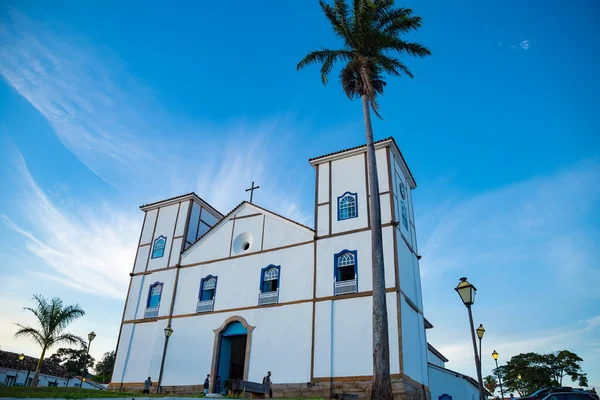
x,y
65,393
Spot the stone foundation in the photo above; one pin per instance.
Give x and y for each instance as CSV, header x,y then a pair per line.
x,y
403,388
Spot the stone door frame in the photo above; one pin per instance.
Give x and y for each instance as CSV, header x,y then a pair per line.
x,y
216,348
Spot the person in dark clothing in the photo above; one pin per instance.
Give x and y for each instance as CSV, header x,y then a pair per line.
x,y
147,385
218,384
267,383
206,384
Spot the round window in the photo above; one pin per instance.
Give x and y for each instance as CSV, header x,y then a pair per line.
x,y
242,243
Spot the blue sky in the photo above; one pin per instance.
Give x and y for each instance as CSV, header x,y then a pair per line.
x,y
106,106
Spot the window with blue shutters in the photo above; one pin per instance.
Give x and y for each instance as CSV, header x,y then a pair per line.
x,y
159,247
404,215
206,297
345,272
269,285
153,302
347,206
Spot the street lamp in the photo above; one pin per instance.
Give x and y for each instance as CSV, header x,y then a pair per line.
x,y
21,357
466,291
480,331
495,355
168,332
91,337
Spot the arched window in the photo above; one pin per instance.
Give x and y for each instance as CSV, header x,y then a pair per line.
x,y
345,272
159,247
269,285
404,215
153,302
347,206
445,397
206,297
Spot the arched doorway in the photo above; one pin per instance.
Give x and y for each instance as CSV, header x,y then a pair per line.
x,y
231,351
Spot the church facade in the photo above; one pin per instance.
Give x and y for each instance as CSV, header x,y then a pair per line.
x,y
252,291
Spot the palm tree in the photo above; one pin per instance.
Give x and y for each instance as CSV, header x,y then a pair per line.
x,y
370,34
52,318
490,383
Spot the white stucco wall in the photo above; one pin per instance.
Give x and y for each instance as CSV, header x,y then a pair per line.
x,y
432,358
323,220
164,227
183,212
323,188
343,337
238,279
168,279
134,296
361,242
262,232
414,343
281,343
122,351
142,258
143,351
21,376
149,226
348,175
446,382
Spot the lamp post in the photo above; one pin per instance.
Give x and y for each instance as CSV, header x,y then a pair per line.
x,y
495,355
466,291
91,337
168,333
480,331
21,357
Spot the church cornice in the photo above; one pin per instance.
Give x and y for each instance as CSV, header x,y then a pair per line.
x,y
360,149
179,199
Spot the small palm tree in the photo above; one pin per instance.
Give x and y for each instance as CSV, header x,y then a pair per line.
x,y
52,318
490,383
370,34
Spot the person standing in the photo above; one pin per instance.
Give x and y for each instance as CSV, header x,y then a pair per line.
x,y
147,385
267,383
512,397
206,384
218,384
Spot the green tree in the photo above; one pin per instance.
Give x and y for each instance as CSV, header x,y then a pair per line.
x,y
490,383
52,319
370,33
72,359
525,373
564,363
104,367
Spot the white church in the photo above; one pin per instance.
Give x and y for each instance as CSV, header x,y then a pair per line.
x,y
253,291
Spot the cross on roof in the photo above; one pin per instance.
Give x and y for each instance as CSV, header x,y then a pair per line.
x,y
251,190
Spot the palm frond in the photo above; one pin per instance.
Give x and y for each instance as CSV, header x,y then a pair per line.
x,y
371,32
393,66
27,331
327,58
339,27
394,44
67,338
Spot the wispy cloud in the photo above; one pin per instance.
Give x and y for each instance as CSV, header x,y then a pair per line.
x,y
539,220
522,245
86,248
111,123
524,44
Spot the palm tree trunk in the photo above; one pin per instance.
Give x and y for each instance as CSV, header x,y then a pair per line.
x,y
382,386
36,377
